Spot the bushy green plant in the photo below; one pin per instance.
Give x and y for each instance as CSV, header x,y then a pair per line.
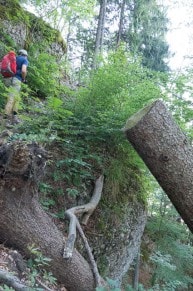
x,y
119,88
89,125
44,75
88,122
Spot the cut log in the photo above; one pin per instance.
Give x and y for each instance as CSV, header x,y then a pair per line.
x,y
24,222
167,153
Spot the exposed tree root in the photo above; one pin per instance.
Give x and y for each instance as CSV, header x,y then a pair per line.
x,y
87,211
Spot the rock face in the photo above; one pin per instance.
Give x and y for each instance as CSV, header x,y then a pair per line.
x,y
117,245
126,241
21,29
17,31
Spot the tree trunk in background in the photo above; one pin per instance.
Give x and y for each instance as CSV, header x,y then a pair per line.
x,y
120,31
100,31
166,151
24,222
104,5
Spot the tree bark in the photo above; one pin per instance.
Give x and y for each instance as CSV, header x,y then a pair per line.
x,y
167,153
24,222
120,31
100,31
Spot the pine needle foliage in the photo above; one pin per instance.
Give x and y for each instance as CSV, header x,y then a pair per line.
x,y
172,255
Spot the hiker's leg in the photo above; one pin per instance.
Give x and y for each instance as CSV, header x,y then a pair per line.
x,y
9,105
17,87
13,96
10,96
17,98
16,105
14,87
11,108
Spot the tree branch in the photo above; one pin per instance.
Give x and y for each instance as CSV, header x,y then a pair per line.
x,y
43,285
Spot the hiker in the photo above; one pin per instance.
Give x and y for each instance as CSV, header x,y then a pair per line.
x,y
14,83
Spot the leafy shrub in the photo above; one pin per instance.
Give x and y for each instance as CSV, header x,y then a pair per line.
x,y
44,75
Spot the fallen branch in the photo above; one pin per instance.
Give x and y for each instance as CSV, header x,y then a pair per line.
x,y
43,285
87,211
12,281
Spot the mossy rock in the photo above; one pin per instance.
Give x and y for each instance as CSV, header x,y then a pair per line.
x,y
40,28
36,29
11,10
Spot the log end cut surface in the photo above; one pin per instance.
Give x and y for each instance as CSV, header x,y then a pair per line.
x,y
135,118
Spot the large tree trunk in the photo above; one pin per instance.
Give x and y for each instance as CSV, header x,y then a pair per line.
x,y
166,151
23,222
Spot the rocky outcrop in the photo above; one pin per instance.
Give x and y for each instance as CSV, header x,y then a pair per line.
x,y
22,29
127,240
117,244
16,31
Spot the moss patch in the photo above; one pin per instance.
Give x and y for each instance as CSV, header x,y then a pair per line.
x,y
11,10
47,33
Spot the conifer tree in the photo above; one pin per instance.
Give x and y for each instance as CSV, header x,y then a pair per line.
x,y
146,34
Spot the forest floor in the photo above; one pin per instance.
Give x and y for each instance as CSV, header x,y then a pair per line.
x,y
12,262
